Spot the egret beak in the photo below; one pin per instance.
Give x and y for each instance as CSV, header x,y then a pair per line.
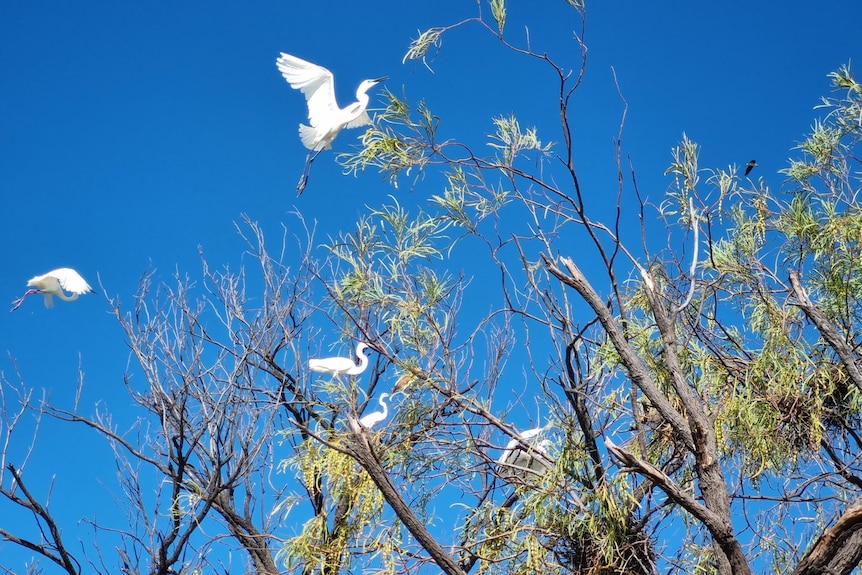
x,y
381,79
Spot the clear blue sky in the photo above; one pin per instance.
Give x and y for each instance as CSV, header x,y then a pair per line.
x,y
132,133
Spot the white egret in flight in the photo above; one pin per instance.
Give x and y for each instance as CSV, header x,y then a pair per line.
x,y
53,283
517,461
375,417
342,365
324,115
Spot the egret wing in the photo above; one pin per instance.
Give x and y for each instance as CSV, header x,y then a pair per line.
x,y
530,433
362,120
315,82
71,281
508,451
331,364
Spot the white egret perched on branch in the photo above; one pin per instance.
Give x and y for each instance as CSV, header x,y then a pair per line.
x,y
324,115
518,460
370,420
53,283
342,365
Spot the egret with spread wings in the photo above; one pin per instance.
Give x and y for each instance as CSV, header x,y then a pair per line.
x,y
53,283
327,119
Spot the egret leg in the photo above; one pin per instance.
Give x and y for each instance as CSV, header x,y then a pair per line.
x,y
303,180
17,303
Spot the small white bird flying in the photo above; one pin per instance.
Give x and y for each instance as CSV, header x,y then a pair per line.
x,y
327,119
342,365
517,461
53,283
375,417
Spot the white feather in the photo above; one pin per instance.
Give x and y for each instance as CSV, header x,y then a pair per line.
x,y
519,461
54,282
327,119
341,365
370,420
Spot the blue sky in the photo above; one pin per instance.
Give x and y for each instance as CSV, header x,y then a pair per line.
x,y
132,133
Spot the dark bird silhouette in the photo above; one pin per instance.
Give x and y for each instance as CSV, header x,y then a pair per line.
x,y
750,166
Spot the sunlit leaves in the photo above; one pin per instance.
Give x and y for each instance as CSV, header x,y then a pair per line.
x,y
770,387
511,141
777,386
542,533
498,11
399,140
827,148
847,111
354,507
387,272
466,201
686,176
826,234
406,237
420,46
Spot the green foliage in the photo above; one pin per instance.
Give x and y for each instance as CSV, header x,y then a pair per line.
x,y
466,201
657,340
772,389
827,148
325,540
420,46
398,141
498,11
511,142
686,173
387,274
775,385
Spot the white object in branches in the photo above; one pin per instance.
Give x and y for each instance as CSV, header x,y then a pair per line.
x,y
53,283
696,233
342,365
370,420
519,460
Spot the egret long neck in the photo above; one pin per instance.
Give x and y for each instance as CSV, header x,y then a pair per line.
x,y
362,98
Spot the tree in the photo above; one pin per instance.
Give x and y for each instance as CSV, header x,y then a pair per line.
x,y
701,398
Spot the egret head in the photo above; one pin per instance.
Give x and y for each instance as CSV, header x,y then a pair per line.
x,y
368,84
44,284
